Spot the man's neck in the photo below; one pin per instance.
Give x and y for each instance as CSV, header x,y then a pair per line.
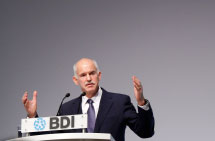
x,y
90,95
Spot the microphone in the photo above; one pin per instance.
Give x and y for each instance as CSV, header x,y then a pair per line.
x,y
67,95
83,94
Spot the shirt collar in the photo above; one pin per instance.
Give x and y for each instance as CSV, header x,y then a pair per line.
x,y
95,98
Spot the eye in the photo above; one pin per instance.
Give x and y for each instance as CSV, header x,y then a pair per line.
x,y
93,73
82,75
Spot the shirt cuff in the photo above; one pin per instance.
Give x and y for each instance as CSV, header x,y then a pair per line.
x,y
36,116
145,106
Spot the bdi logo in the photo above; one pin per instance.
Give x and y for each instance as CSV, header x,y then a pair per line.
x,y
61,122
55,123
39,124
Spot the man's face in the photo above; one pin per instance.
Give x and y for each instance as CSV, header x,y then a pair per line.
x,y
87,77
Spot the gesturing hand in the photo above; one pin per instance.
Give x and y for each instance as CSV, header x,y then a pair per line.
x,y
138,91
30,105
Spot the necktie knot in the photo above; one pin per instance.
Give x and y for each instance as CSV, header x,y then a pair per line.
x,y
90,101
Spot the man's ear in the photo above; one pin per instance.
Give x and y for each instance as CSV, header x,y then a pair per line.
x,y
100,75
75,80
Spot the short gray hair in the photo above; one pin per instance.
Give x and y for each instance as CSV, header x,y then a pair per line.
x,y
75,67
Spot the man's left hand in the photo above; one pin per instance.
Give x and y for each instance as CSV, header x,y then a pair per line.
x,y
138,91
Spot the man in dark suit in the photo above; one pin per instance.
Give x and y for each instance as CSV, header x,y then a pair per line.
x,y
107,112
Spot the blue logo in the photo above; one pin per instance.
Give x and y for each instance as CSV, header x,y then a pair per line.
x,y
39,124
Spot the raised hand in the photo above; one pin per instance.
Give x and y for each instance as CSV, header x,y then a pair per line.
x,y
138,91
30,105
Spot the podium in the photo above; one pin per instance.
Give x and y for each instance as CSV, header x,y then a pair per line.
x,y
68,137
31,125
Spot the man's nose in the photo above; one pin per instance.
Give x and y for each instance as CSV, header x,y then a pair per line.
x,y
88,77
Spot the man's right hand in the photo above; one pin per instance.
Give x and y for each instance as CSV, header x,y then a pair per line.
x,y
30,105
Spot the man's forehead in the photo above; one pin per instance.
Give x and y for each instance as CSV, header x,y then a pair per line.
x,y
85,65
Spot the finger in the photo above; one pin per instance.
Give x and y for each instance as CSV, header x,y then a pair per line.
x,y
25,97
133,77
138,83
138,87
136,80
26,103
35,96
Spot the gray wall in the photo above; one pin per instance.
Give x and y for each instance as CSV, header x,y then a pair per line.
x,y
168,45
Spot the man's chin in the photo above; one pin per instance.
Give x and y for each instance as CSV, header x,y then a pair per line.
x,y
91,90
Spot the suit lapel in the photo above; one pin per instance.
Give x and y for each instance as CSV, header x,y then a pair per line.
x,y
104,107
76,105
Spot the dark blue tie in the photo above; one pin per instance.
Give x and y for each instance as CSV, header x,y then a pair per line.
x,y
91,116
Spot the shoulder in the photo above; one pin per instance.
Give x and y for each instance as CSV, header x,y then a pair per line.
x,y
116,96
71,107
72,101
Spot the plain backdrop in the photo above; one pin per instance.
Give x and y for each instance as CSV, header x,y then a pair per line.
x,y
168,45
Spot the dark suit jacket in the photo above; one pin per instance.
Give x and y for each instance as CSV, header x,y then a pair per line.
x,y
115,112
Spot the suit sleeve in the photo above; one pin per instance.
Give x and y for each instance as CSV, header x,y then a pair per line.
x,y
142,123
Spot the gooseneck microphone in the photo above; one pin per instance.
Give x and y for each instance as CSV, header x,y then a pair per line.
x,y
67,95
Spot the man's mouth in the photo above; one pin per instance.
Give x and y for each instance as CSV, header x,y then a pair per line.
x,y
90,84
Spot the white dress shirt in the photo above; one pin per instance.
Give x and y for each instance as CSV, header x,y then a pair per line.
x,y
96,102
